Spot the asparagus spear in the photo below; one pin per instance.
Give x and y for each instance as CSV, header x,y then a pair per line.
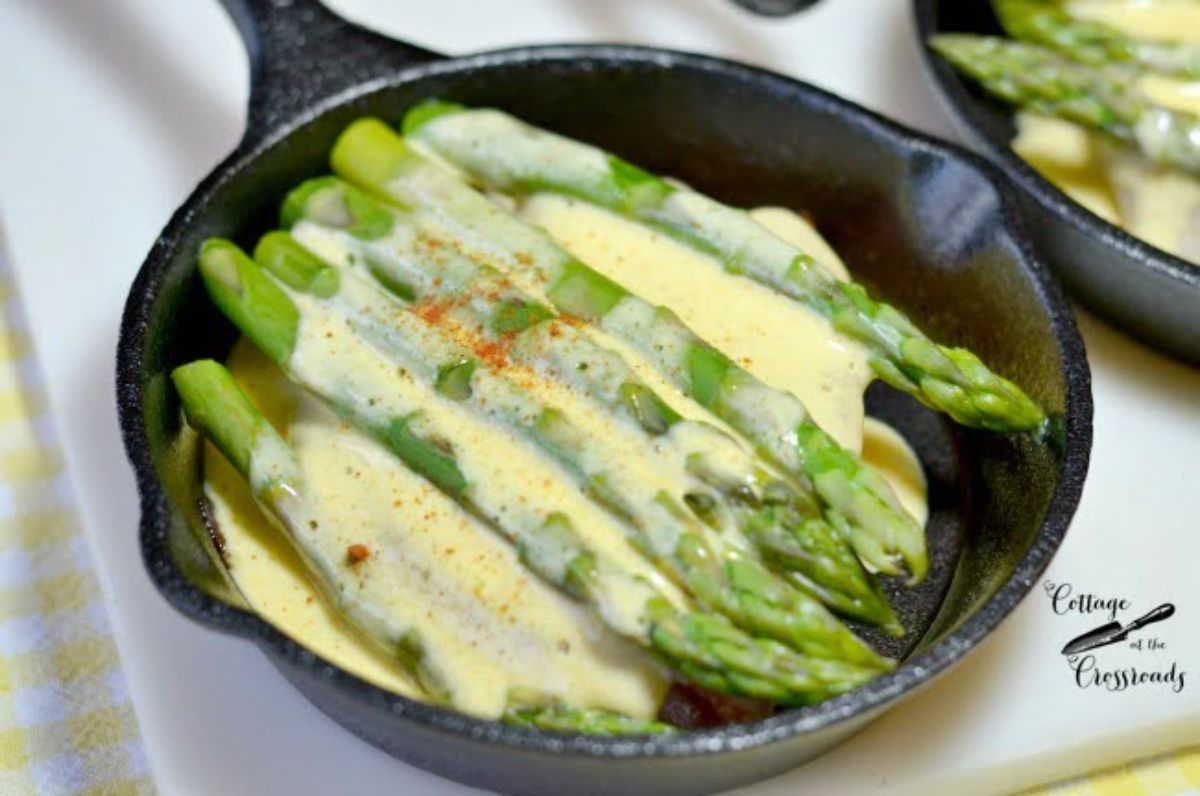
x,y
216,406
775,421
508,155
453,330
386,402
781,521
1045,82
1049,23
558,718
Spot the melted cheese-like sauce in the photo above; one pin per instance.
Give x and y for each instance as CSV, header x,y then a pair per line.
x,y
886,451
1070,157
739,316
492,630
1118,184
496,630
1152,20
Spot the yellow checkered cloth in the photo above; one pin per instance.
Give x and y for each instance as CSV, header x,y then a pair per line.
x,y
66,723
1173,774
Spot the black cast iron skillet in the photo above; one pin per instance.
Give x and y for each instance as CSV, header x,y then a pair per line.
x,y
1150,293
925,224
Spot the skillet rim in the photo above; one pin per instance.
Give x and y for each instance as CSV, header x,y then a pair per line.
x,y
869,698
965,109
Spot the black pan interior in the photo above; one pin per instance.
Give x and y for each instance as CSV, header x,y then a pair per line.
x,y
921,224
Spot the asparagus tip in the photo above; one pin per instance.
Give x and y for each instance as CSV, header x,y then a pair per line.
x,y
249,298
427,111
219,261
194,373
368,152
295,204
296,266
216,406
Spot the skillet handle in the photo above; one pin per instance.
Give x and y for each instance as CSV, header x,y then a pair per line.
x,y
302,53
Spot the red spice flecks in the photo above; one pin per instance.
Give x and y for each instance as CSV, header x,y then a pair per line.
x,y
431,311
429,242
572,320
357,553
493,353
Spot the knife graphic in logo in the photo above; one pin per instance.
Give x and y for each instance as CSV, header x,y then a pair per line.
x,y
1113,632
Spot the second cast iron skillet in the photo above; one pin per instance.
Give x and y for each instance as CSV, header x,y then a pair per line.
x,y
1149,292
925,224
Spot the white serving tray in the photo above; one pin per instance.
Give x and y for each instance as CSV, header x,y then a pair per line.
x,y
113,111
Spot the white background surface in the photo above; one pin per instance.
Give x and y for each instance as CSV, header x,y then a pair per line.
x,y
113,109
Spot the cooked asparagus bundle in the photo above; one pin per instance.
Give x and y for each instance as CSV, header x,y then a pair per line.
x,y
775,515
856,498
1041,80
505,154
416,423
1050,23
476,334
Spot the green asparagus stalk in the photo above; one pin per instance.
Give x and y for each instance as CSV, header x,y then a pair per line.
x,y
410,422
1041,80
719,573
559,718
216,407
1051,24
780,520
508,155
855,498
